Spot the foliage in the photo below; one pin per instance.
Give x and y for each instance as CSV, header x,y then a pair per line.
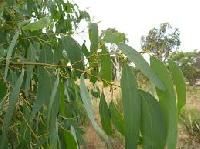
x,y
161,41
45,99
188,62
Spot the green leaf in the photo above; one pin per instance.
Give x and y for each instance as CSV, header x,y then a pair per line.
x,y
3,89
112,36
11,107
179,82
106,66
10,52
167,100
52,97
46,55
43,91
85,50
94,37
88,107
132,107
62,99
53,109
116,118
105,115
141,64
74,53
153,127
31,56
38,25
70,141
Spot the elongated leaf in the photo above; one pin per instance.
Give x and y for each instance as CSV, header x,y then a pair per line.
x,y
62,102
85,50
10,52
74,53
153,127
88,107
52,97
31,56
53,109
179,82
106,66
93,36
70,141
116,118
105,115
141,64
38,25
167,100
3,89
93,59
43,91
11,107
131,106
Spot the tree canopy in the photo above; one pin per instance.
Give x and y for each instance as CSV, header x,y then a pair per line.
x,y
161,41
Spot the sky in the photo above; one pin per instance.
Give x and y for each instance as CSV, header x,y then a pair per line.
x,y
137,17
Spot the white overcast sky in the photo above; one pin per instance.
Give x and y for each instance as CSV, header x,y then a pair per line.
x,y
137,17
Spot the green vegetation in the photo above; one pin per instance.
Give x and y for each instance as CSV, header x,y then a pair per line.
x,y
189,64
45,99
161,41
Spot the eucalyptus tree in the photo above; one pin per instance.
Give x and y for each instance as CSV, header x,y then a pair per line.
x,y
44,100
161,41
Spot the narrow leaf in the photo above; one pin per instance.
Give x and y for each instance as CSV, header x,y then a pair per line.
x,y
105,115
43,91
116,118
93,36
53,110
70,141
3,89
31,55
141,64
85,50
88,107
52,97
62,102
11,107
106,66
131,106
167,100
10,52
179,82
153,127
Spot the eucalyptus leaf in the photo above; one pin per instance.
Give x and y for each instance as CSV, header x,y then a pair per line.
x,y
132,107
179,82
13,97
88,107
153,127
167,100
141,64
38,25
105,115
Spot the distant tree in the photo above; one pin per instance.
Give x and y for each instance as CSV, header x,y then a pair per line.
x,y
188,62
161,41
